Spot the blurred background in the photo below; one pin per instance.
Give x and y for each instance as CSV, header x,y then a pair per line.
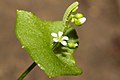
x,y
99,50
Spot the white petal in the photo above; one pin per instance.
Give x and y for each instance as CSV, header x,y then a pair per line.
x,y
55,39
65,38
76,44
23,46
64,43
60,34
54,34
82,20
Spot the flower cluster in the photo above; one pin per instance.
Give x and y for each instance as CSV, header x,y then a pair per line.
x,y
78,19
63,39
60,38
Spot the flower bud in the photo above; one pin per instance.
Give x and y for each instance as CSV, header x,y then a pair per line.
x,y
82,20
74,10
72,45
78,15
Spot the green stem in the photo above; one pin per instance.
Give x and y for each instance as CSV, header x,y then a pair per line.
x,y
27,71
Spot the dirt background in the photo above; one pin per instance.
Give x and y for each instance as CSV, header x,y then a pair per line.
x,y
99,50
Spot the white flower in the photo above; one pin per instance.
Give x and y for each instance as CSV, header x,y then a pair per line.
x,y
82,20
60,38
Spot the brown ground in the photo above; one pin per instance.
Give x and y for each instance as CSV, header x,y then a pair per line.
x,y
99,50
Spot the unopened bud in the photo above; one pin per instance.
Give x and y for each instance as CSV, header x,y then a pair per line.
x,y
74,10
79,15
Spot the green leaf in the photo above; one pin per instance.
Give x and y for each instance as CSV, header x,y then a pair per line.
x,y
35,37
